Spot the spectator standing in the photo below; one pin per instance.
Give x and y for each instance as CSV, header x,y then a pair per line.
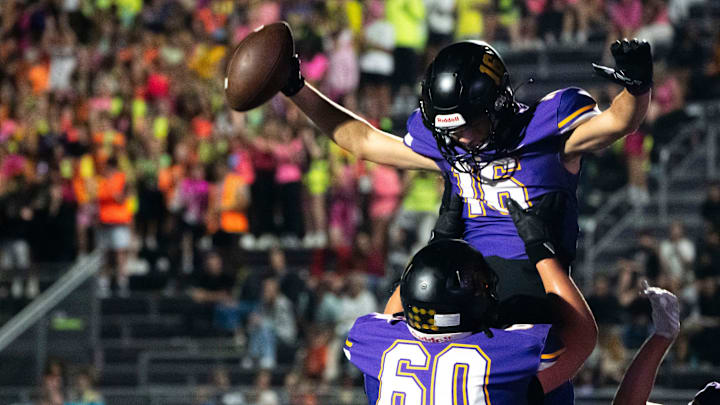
x,y
271,328
377,64
192,201
677,255
229,201
115,219
288,150
408,20
343,74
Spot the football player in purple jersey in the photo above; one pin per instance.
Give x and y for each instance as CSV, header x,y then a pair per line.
x,y
470,127
492,148
448,348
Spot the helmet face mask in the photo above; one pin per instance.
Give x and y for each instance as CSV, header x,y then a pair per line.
x,y
465,82
447,287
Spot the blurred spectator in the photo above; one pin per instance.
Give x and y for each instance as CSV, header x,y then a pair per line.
x,y
386,193
646,255
52,388
656,28
703,325
604,303
710,209
222,391
229,200
677,255
262,392
708,255
471,18
83,391
408,20
57,217
356,301
288,149
292,284
317,182
377,64
608,359
271,329
191,201
213,284
115,218
419,207
626,17
637,155
211,293
343,73
17,214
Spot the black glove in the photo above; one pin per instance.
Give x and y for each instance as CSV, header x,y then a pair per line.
x,y
539,225
633,66
296,81
450,224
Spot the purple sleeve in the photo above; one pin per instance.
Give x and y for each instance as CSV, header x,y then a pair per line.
x,y
362,346
420,139
575,107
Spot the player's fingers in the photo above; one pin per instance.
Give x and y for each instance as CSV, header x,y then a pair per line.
x,y
515,210
604,72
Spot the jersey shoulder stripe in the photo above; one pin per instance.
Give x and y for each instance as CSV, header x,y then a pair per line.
x,y
575,106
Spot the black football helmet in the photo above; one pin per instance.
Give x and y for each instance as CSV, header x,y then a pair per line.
x,y
467,81
448,287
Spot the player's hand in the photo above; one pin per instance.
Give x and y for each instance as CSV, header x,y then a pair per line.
x,y
536,225
296,81
665,310
449,224
633,66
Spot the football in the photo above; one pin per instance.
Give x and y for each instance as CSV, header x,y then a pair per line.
x,y
259,67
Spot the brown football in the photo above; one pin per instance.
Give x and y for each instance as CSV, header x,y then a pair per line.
x,y
259,67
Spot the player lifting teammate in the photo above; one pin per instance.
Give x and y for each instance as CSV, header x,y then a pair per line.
x,y
449,339
493,148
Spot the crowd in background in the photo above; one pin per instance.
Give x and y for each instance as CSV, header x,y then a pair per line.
x,y
114,131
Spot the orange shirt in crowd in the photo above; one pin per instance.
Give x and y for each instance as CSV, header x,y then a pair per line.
x,y
114,205
39,76
232,215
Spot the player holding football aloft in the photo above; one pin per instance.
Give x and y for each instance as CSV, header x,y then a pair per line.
x,y
448,347
493,148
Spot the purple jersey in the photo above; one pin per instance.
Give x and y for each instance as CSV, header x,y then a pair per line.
x,y
532,169
470,370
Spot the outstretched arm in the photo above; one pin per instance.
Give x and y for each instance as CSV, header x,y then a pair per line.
x,y
634,71
638,381
356,135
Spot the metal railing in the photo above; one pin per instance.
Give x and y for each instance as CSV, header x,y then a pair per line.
x,y
707,116
46,301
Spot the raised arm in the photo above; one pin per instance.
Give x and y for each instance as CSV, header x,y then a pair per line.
x,y
633,70
576,324
349,130
638,381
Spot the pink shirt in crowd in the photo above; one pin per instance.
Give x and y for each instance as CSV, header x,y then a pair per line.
x,y
627,14
288,158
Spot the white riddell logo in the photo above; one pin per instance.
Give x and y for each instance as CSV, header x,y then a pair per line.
x,y
449,121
